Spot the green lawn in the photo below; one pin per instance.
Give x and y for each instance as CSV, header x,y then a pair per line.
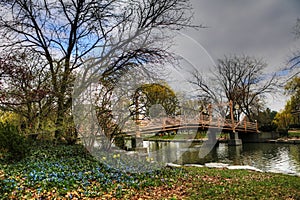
x,y
69,172
294,133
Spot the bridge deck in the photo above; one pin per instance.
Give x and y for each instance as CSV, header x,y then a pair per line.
x,y
167,124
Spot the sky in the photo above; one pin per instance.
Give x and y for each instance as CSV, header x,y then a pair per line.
x,y
260,28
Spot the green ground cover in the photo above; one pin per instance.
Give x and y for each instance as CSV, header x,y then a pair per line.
x,y
294,133
69,172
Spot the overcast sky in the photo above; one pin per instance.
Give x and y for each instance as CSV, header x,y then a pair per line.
x,y
260,28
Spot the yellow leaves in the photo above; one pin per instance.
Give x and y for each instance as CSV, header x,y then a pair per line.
x,y
2,174
87,172
10,117
283,119
116,156
175,191
162,94
148,159
75,195
107,196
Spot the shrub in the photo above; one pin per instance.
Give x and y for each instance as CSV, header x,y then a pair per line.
x,y
13,145
268,127
294,126
283,132
120,142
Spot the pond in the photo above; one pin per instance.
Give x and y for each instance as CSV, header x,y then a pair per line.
x,y
271,157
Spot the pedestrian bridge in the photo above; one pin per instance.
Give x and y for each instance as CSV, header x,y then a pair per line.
x,y
160,125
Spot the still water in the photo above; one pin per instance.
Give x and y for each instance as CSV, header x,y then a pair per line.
x,y
283,158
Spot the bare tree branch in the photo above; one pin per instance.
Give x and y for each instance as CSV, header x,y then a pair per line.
x,y
239,79
108,37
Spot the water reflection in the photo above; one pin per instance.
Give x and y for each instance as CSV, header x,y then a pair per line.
x,y
284,158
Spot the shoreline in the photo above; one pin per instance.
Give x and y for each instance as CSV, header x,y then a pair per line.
x,y
218,165
279,140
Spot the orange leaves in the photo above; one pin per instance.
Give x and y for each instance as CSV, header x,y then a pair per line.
x,y
176,191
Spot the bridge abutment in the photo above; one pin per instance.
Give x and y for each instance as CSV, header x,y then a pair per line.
x,y
234,139
137,144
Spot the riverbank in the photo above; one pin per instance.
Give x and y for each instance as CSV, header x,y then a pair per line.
x,y
285,141
293,140
229,167
69,172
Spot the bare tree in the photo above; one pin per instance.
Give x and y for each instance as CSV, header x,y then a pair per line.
x,y
109,36
239,79
25,87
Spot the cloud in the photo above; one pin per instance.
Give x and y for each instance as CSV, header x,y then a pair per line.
x,y
260,28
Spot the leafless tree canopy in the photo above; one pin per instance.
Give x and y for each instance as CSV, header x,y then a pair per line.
x,y
239,79
23,82
111,36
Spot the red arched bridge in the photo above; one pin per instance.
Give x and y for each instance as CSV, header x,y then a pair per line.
x,y
203,123
199,122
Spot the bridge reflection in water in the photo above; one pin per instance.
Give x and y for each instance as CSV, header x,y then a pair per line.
x,y
283,158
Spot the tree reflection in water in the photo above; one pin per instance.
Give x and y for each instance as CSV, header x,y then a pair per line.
x,y
283,158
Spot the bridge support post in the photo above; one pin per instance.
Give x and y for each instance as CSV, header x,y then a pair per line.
x,y
212,136
234,139
136,142
137,145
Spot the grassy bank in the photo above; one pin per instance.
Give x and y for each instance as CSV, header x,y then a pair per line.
x,y
294,133
69,172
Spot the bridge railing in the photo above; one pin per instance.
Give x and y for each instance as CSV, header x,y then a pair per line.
x,y
167,124
246,125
